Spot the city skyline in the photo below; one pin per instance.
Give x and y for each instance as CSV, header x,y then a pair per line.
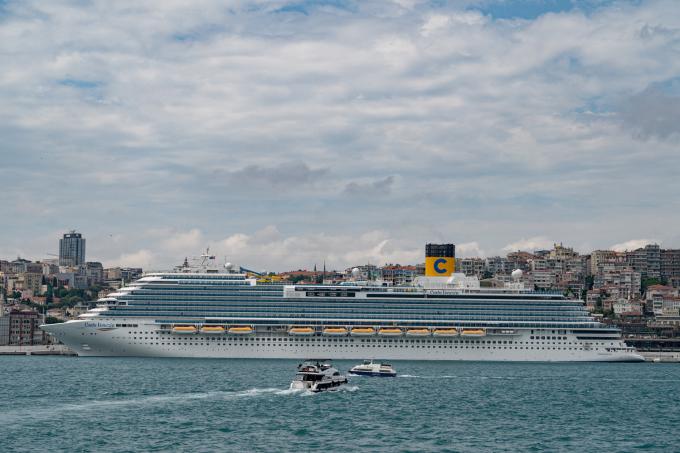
x,y
283,133
464,251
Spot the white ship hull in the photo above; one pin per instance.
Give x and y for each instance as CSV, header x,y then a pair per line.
x,y
96,338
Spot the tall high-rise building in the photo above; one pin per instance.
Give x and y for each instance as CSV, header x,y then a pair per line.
x,y
72,249
646,260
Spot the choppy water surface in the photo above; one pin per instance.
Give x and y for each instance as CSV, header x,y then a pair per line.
x,y
130,404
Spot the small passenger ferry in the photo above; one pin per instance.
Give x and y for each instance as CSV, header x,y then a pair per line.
x,y
371,368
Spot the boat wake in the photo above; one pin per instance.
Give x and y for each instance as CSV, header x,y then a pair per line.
x,y
341,389
153,401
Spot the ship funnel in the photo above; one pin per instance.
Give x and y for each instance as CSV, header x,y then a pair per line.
x,y
440,260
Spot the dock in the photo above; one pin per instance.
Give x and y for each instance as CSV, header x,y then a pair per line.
x,y
656,350
37,350
660,357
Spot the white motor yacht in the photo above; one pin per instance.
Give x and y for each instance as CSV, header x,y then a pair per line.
x,y
317,376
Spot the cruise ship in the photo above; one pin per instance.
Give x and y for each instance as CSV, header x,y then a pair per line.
x,y
208,310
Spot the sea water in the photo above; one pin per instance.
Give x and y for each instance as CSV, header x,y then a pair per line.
x,y
137,404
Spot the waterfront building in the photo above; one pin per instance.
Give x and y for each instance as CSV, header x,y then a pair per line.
x,y
4,329
646,260
72,279
599,257
19,265
72,249
397,275
497,265
659,297
594,299
9,282
562,269
570,282
29,281
49,268
670,306
619,280
113,273
94,272
129,274
625,307
520,260
24,328
614,263
560,252
470,266
670,266
362,272
543,278
301,275
666,321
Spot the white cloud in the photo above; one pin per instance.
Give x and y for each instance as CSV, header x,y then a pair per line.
x,y
142,258
268,249
633,244
469,250
434,23
183,242
530,244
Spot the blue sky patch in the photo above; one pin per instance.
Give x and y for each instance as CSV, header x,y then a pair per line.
x,y
305,7
524,9
82,84
531,9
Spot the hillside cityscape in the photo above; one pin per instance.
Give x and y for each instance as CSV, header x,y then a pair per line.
x,y
638,290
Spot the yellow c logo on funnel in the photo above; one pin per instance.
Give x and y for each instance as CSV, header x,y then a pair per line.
x,y
439,266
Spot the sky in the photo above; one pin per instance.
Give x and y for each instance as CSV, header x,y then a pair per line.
x,y
282,134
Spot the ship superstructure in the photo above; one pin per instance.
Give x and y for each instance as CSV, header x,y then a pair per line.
x,y
207,310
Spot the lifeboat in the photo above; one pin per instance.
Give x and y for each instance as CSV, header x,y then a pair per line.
x,y
363,331
241,330
334,331
445,332
473,332
184,329
213,330
390,331
418,332
301,331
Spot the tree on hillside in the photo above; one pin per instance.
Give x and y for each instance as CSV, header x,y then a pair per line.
x,y
647,282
